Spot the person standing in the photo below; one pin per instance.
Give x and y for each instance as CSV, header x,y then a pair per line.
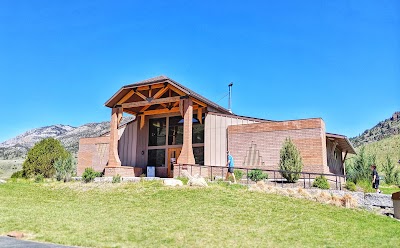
x,y
230,163
375,179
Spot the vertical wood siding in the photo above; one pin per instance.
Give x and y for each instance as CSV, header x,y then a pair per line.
x,y
127,144
334,163
216,136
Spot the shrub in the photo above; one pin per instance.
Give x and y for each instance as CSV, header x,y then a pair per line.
x,y
40,159
290,161
116,179
388,169
397,177
238,174
350,186
359,169
257,175
366,185
321,182
18,174
39,178
65,168
89,175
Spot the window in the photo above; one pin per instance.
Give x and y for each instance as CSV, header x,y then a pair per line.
x,y
199,155
198,133
156,157
175,131
157,132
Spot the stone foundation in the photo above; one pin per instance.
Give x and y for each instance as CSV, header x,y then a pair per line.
x,y
123,171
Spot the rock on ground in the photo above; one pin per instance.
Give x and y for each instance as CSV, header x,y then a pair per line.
x,y
16,234
379,200
197,181
216,178
173,182
2,181
194,180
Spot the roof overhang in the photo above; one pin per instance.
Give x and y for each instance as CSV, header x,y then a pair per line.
x,y
342,141
157,82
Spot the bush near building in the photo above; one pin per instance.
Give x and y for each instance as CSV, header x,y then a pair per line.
x,y
350,186
238,174
290,161
257,175
89,175
321,182
116,179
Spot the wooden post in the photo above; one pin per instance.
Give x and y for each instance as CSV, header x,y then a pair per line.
x,y
186,156
142,121
116,115
200,115
343,164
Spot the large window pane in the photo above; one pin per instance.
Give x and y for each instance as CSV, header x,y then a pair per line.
x,y
157,132
199,155
198,133
156,157
175,132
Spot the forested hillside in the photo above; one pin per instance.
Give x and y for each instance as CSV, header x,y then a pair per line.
x,y
382,130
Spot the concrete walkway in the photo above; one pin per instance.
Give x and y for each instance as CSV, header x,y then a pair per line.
x,y
8,242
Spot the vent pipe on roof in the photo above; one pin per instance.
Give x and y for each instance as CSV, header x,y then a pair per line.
x,y
230,97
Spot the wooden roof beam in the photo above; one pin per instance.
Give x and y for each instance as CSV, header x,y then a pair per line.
x,y
152,102
177,90
126,97
158,95
164,111
141,95
129,112
198,102
161,92
153,86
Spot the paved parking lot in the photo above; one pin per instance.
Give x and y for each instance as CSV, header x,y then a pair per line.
x,y
8,242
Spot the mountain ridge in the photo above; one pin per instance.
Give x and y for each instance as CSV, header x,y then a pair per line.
x,y
17,147
384,129
69,136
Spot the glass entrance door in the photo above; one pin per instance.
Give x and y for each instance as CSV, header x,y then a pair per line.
x,y
173,154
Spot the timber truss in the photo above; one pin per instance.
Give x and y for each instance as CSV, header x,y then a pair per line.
x,y
155,99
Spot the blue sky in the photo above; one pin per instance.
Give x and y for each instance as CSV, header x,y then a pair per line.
x,y
339,60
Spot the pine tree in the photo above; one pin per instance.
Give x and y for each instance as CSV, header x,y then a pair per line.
x,y
41,158
388,169
290,161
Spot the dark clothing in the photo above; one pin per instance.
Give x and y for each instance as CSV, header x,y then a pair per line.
x,y
230,169
375,184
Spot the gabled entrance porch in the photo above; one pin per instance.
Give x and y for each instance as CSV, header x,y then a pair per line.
x,y
169,127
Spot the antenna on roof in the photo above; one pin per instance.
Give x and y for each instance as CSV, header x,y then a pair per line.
x,y
230,97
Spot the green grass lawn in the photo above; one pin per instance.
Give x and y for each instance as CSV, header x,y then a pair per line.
x,y
366,187
150,215
388,189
